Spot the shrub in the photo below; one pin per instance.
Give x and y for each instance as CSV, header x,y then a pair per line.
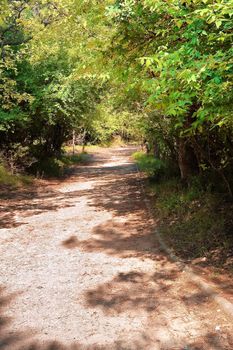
x,y
56,167
152,166
49,167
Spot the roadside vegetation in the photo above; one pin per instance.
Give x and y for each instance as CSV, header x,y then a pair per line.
x,y
58,167
8,179
195,222
153,72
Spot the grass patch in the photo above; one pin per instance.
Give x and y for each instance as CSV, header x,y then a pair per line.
x,y
73,159
78,149
147,163
7,179
116,142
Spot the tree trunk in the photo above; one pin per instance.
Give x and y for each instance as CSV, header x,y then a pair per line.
x,y
182,160
73,142
156,150
84,141
187,159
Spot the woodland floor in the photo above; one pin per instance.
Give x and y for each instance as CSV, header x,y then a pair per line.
x,y
81,269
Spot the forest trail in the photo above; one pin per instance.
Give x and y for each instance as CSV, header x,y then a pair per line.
x,y
81,269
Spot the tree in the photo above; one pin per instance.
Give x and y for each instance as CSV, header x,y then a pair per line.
x,y
47,88
180,53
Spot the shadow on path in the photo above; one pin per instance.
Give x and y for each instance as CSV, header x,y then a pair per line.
x,y
28,203
44,197
26,339
129,234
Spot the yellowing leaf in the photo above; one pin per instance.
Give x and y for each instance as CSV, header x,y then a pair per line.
x,y
218,23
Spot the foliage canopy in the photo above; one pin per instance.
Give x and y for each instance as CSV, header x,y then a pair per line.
x,y
150,69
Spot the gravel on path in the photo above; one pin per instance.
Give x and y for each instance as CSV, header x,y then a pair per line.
x,y
81,269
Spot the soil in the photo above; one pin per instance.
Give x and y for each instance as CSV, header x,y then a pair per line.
x,y
82,269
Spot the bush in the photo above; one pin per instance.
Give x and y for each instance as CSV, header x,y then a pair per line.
x,y
152,166
17,158
56,167
49,167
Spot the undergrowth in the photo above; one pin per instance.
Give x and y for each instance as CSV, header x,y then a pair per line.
x,y
194,222
13,180
57,167
149,164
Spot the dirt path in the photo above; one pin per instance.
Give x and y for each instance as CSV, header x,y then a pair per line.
x,y
81,270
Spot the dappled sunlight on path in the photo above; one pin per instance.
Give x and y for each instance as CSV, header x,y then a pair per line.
x,y
81,269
